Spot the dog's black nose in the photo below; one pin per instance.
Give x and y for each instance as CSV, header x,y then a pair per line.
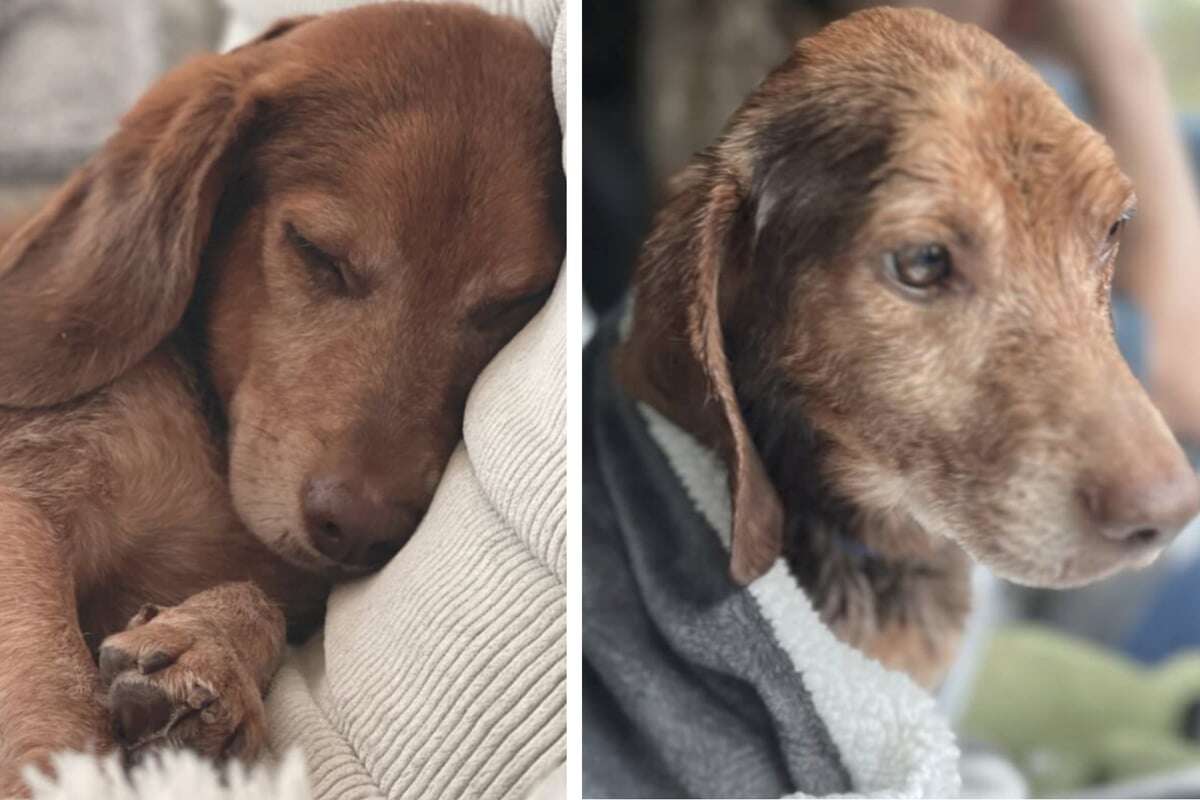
x,y
350,524
1145,512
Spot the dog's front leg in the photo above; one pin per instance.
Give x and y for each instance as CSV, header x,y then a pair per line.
x,y
193,675
49,698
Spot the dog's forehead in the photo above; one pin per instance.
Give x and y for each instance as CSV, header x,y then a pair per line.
x,y
454,197
1004,160
422,158
968,128
392,52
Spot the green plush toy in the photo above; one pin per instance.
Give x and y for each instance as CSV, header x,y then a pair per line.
x,y
1071,714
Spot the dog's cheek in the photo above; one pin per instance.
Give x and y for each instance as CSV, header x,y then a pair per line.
x,y
933,432
1021,525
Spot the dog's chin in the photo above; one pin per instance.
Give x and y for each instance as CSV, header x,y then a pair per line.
x,y
1068,570
324,566
304,557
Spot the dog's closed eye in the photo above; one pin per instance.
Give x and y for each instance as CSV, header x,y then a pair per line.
x,y
327,272
493,314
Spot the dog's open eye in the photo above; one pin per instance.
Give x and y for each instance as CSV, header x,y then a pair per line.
x,y
326,270
1108,247
1114,230
921,268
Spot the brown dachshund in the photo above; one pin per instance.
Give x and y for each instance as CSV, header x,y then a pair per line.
x,y
235,350
882,297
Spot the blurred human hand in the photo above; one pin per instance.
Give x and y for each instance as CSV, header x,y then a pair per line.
x,y
1088,35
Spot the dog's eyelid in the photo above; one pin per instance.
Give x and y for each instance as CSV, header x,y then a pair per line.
x,y
1128,212
1120,221
493,311
1111,240
305,243
336,269
963,238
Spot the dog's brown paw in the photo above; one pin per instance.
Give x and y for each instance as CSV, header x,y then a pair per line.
x,y
173,683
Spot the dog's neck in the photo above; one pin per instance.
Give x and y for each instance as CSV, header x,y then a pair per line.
x,y
878,580
190,342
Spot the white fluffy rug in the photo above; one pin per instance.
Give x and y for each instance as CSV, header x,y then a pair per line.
x,y
176,774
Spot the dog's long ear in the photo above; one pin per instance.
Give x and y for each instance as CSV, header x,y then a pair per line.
x,y
104,271
276,29
687,377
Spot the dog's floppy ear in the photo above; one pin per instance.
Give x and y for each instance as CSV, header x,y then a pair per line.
x,y
687,377
96,279
276,29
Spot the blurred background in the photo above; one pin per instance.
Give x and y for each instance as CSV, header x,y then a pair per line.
x,y
1092,692
70,68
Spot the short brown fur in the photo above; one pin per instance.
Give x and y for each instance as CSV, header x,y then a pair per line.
x,y
873,439
291,259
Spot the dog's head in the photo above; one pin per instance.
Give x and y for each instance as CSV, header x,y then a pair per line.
x,y
356,212
898,258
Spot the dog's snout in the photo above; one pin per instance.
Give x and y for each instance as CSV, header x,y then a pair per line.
x,y
1147,510
350,524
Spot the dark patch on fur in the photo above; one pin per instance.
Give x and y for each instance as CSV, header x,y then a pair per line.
x,y
814,176
814,180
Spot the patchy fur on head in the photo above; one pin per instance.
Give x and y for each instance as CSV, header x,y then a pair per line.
x,y
342,221
883,297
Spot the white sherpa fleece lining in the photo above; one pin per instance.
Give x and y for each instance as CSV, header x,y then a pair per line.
x,y
891,738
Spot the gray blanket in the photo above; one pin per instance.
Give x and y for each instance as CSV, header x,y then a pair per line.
x,y
689,688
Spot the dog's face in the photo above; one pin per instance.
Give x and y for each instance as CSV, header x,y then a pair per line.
x,y
917,265
378,267
369,213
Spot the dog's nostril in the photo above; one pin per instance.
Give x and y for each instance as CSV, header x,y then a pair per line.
x,y
331,539
1143,513
1143,535
351,522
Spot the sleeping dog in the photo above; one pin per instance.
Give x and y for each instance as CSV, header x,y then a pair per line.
x,y
879,306
234,353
